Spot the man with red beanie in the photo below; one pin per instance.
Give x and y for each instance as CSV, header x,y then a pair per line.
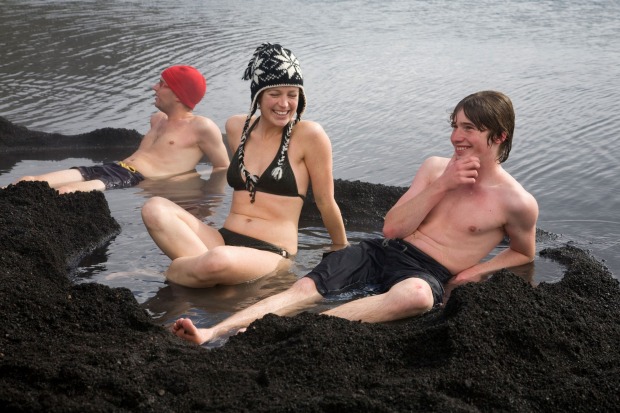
x,y
174,145
187,83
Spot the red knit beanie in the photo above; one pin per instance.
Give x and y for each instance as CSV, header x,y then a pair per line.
x,y
187,83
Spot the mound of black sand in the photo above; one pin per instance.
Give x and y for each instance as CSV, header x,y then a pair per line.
x,y
18,138
499,345
362,205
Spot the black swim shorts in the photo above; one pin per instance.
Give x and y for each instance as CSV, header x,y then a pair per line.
x,y
240,240
373,266
114,175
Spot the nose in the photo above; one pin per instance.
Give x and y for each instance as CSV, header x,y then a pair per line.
x,y
155,86
455,135
283,102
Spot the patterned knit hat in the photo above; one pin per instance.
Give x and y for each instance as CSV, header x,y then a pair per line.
x,y
271,65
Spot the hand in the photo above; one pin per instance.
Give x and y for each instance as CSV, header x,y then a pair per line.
x,y
461,171
451,285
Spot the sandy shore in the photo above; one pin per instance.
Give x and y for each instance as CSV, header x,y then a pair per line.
x,y
499,345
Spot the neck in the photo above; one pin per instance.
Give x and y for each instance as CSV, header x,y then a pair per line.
x,y
266,131
179,114
488,173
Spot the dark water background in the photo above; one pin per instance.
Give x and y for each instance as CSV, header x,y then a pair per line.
x,y
381,77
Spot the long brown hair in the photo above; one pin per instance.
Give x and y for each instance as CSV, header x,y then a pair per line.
x,y
492,111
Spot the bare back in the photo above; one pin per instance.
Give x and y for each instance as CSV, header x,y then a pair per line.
x,y
173,147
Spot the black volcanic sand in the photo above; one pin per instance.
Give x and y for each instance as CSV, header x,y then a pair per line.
x,y
499,345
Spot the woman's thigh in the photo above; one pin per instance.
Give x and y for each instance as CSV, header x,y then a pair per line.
x,y
235,265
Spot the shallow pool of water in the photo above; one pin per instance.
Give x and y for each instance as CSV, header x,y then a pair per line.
x,y
132,260
380,77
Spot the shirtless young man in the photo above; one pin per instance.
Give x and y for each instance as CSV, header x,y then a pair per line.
x,y
175,144
456,211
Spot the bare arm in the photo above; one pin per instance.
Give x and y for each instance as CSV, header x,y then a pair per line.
x,y
433,180
521,230
212,145
318,159
234,127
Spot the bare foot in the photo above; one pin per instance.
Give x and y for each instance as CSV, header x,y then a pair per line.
x,y
185,328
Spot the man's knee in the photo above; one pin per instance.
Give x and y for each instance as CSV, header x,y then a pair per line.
x,y
305,286
411,296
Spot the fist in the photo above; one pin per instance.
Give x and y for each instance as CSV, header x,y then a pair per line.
x,y
462,171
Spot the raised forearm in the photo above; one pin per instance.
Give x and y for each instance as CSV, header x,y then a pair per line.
x,y
405,218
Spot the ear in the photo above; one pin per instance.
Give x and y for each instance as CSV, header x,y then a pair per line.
x,y
501,138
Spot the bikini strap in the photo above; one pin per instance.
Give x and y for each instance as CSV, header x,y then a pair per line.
x,y
250,179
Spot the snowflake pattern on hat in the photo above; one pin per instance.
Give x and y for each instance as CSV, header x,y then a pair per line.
x,y
289,63
272,65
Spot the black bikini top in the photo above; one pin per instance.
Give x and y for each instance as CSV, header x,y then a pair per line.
x,y
268,182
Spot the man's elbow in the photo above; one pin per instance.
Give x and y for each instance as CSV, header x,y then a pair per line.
x,y
220,163
222,166
390,231
526,257
531,257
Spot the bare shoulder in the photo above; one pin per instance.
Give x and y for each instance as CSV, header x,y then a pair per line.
x,y
205,128
518,198
309,127
157,117
203,122
234,127
438,162
235,123
311,133
433,166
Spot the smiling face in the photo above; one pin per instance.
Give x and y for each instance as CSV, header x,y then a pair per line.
x,y
490,111
278,105
468,139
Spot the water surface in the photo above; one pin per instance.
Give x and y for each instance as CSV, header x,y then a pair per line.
x,y
381,77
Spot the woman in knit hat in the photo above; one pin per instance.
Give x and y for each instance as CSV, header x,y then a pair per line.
x,y
276,157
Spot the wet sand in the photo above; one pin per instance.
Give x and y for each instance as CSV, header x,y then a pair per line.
x,y
499,345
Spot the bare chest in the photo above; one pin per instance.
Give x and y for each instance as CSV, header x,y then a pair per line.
x,y
474,213
167,138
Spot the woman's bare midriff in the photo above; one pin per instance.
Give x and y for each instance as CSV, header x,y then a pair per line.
x,y
271,218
